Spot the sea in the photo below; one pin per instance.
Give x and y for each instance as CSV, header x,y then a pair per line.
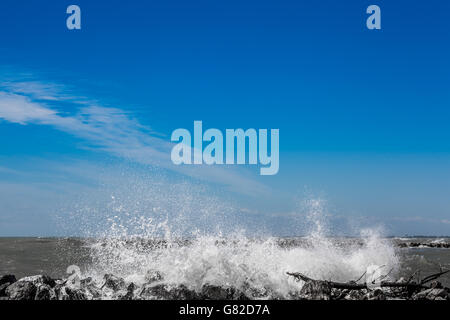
x,y
238,261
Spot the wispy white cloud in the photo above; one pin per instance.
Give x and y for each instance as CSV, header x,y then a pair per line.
x,y
37,90
108,129
20,109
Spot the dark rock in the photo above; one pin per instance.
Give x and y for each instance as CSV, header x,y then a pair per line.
x,y
48,281
21,290
3,288
425,244
39,279
7,278
153,276
165,292
316,290
131,287
338,294
377,294
73,294
261,292
437,293
44,292
85,282
238,295
356,295
90,289
422,295
431,294
154,292
183,293
113,282
130,292
37,287
93,291
212,292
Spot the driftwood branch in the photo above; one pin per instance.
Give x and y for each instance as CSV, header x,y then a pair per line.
x,y
359,286
361,276
433,276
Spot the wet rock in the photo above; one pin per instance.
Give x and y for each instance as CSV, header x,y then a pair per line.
x,y
39,279
154,292
85,282
153,276
66,290
316,290
439,299
68,293
3,288
338,294
183,293
45,292
7,278
165,292
27,288
5,282
21,290
431,294
212,292
437,293
425,244
356,295
114,283
238,295
253,292
377,294
422,295
90,289
130,292
132,287
59,288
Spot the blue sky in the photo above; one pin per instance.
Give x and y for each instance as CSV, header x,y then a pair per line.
x,y
363,114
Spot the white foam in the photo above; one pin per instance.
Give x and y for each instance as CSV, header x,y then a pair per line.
x,y
242,262
218,255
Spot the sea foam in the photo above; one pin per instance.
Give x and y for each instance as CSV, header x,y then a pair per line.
x,y
254,265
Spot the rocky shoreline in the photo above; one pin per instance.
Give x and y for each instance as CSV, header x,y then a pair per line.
x,y
42,287
440,245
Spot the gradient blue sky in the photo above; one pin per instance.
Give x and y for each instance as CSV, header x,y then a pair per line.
x,y
363,114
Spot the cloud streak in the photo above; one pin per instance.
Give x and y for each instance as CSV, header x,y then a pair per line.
x,y
111,130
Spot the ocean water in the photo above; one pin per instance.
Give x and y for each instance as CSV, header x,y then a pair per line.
x,y
257,263
129,240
